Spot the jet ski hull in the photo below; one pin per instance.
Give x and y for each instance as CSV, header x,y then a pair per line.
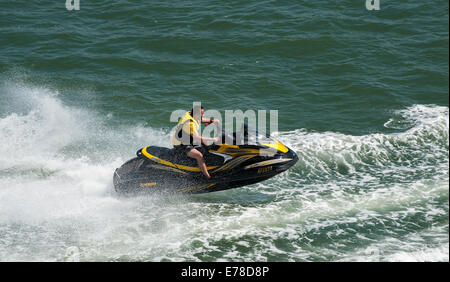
x,y
160,170
244,157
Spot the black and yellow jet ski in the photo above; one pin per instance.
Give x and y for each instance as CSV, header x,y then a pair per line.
x,y
163,170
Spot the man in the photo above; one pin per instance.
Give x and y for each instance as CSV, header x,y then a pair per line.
x,y
186,135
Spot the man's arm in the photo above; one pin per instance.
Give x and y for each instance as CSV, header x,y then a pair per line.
x,y
207,121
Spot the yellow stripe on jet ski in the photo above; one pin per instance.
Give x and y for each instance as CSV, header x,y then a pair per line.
x,y
147,184
269,162
161,161
234,163
234,150
278,146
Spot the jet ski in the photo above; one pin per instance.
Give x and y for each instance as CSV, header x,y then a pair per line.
x,y
163,170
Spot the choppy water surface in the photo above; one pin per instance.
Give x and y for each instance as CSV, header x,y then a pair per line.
x,y
362,99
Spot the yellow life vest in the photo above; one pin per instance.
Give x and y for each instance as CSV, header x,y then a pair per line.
x,y
184,130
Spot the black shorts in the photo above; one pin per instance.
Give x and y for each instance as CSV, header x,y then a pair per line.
x,y
184,148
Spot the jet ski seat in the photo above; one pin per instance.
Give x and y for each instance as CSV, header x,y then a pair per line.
x,y
179,157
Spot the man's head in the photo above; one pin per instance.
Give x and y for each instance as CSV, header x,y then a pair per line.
x,y
197,112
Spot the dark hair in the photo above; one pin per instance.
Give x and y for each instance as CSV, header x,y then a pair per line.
x,y
196,107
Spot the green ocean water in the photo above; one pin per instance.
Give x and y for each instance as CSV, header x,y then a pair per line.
x,y
362,98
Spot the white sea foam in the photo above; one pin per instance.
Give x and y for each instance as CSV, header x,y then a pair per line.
x,y
56,165
423,146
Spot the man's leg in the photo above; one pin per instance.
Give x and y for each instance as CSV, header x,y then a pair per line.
x,y
194,153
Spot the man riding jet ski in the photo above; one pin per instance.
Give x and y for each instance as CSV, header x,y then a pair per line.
x,y
242,158
186,135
